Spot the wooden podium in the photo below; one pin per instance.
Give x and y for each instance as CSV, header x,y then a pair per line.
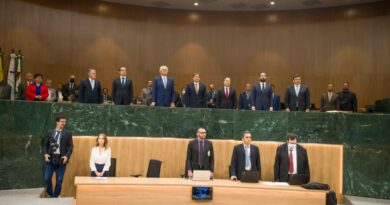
x,y
168,191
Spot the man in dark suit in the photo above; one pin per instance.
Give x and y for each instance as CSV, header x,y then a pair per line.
x,y
195,93
226,97
122,88
200,154
23,86
245,99
90,89
276,99
163,89
297,97
262,94
71,89
211,96
58,147
291,158
245,157
329,100
347,99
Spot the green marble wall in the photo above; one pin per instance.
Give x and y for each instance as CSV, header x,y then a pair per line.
x,y
366,137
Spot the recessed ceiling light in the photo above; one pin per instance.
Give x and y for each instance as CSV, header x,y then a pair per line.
x,y
196,4
272,3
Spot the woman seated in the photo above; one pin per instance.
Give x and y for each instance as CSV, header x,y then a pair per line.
x,y
100,160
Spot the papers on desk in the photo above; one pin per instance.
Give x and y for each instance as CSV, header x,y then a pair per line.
x,y
276,183
100,178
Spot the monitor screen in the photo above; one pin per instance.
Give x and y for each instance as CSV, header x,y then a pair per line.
x,y
202,193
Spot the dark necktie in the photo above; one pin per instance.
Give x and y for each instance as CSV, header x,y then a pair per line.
x,y
201,154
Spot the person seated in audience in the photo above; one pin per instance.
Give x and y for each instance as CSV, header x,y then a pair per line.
x,y
37,91
100,160
106,96
52,92
291,158
59,93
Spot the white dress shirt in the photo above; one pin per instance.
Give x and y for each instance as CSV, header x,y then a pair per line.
x,y
294,153
98,157
247,149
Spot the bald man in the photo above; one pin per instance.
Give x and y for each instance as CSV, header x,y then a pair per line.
x,y
226,97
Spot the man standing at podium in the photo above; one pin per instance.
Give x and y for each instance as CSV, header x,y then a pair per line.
x,y
246,157
200,154
291,158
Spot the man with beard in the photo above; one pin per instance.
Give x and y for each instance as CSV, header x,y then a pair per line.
x,y
347,99
262,94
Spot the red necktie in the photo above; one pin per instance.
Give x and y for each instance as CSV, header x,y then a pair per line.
x,y
227,92
291,167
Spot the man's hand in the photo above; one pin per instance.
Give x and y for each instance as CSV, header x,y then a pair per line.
x,y
189,173
65,158
47,158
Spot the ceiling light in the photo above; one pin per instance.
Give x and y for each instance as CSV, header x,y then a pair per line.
x,y
272,3
196,4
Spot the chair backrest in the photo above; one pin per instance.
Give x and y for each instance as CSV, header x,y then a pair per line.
x,y
113,167
154,168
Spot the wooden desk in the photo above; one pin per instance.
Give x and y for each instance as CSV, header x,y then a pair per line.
x,y
127,190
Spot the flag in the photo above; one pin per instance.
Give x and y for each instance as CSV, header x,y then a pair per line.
x,y
1,66
11,74
18,74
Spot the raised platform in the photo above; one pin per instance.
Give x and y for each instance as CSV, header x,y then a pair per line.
x,y
168,191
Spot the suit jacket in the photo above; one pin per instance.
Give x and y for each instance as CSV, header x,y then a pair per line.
x,y
146,96
66,142
31,92
300,102
192,162
226,103
122,94
87,95
211,98
245,103
347,101
191,99
163,96
332,104
276,100
282,163
262,100
67,91
237,165
22,90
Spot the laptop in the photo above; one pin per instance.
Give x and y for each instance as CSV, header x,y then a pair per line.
x,y
298,179
250,177
201,175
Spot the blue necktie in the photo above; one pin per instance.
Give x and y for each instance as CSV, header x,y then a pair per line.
x,y
247,157
57,136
